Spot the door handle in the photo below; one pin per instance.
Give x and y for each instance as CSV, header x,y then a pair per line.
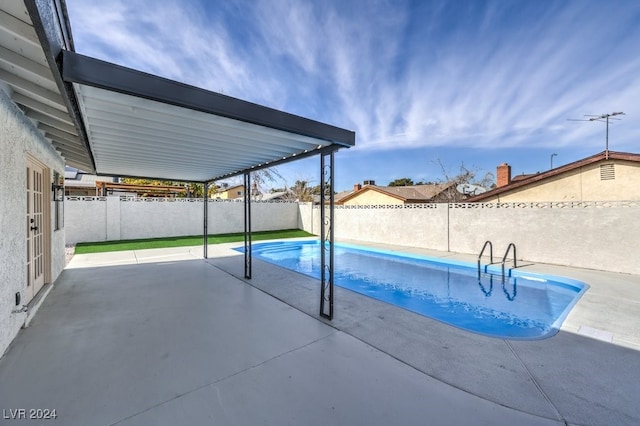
x,y
34,228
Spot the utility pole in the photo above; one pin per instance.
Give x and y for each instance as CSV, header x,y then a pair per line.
x,y
603,118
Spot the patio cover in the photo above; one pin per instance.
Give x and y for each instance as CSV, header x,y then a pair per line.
x,y
144,125
114,121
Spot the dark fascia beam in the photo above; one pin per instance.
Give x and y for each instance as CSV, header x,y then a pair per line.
x,y
84,70
51,24
324,150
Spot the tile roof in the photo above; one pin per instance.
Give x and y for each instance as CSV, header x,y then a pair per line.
x,y
408,194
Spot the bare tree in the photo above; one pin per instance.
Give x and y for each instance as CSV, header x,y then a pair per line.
x,y
464,176
264,176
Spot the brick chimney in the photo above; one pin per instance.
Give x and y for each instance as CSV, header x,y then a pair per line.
x,y
357,187
503,175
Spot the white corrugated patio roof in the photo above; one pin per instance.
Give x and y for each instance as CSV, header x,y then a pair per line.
x,y
111,120
143,125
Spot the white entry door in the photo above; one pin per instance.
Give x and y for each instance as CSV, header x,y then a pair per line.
x,y
35,228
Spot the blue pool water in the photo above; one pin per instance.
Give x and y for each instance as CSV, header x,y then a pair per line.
x,y
524,306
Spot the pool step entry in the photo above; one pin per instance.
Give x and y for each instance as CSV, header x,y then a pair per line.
x,y
486,243
504,258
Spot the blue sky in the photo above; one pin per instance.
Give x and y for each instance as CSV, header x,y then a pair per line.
x,y
422,83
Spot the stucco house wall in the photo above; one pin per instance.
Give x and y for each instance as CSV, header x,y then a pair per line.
x,y
625,186
19,138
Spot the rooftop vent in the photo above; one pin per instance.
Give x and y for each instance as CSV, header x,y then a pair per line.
x,y
607,172
369,182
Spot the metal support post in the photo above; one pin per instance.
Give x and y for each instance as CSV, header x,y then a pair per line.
x,y
326,234
247,225
206,219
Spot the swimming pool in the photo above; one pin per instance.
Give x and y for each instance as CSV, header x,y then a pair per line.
x,y
523,306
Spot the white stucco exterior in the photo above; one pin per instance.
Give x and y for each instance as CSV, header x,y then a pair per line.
x,y
18,139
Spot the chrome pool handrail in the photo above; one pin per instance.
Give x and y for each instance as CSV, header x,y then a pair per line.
x,y
504,258
482,251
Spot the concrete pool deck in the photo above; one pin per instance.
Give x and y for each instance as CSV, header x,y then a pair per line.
x,y
163,337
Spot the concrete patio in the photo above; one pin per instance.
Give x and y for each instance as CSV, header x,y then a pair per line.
x,y
163,337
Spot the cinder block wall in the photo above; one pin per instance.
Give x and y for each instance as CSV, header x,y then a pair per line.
x,y
113,218
596,235
423,225
592,235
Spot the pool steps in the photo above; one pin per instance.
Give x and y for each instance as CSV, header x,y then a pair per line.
x,y
504,258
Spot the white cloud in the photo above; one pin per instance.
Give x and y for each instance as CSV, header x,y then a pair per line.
x,y
500,77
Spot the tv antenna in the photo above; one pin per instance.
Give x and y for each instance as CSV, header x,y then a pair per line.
x,y
602,118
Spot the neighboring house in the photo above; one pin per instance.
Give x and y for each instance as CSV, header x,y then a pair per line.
x,y
606,176
230,193
370,194
78,183
342,194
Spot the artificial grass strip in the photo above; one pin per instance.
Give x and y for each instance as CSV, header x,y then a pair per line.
x,y
192,240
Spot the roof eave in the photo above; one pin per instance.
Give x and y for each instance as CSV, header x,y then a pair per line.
x,y
55,36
